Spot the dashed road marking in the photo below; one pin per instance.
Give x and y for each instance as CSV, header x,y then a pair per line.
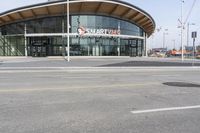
x,y
165,109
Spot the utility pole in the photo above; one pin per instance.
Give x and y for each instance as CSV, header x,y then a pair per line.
x,y
25,40
174,41
164,35
68,26
182,26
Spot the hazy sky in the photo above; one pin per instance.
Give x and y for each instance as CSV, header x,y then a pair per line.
x,y
165,12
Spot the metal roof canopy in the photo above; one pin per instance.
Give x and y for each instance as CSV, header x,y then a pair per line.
x,y
115,8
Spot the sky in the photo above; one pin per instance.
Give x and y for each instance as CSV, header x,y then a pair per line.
x,y
165,13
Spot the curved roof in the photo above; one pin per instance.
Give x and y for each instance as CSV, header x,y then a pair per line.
x,y
115,8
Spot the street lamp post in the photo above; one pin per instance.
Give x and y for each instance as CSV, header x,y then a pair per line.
x,y
164,37
174,42
25,40
68,49
182,26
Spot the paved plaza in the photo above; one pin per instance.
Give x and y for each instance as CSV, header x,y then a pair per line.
x,y
52,99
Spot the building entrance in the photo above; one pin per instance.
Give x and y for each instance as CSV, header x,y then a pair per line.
x,y
84,46
133,48
39,51
38,46
133,51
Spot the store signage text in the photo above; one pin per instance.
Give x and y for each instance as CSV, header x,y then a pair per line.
x,y
82,31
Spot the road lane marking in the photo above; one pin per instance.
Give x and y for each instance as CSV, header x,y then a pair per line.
x,y
166,75
94,67
78,87
100,70
165,109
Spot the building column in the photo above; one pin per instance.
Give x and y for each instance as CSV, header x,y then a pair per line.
x,y
145,45
118,40
63,38
4,46
118,48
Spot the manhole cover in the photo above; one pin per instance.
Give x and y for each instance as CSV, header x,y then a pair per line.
x,y
181,84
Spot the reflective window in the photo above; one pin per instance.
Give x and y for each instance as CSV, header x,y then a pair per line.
x,y
102,22
79,46
12,46
54,25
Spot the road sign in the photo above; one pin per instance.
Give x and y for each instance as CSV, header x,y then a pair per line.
x,y
194,34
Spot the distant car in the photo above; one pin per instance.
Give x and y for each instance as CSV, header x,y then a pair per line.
x,y
198,57
158,54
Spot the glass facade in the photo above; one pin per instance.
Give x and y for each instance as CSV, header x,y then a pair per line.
x,y
12,46
128,41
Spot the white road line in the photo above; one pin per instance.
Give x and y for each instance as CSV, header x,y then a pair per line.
x,y
73,67
82,87
91,69
165,109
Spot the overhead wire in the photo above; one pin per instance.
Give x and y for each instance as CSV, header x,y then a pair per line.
x,y
190,11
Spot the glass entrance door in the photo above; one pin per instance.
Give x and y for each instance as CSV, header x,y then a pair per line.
x,y
38,46
94,47
133,48
39,51
95,50
133,51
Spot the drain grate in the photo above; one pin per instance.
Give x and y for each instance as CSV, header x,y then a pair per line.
x,y
181,84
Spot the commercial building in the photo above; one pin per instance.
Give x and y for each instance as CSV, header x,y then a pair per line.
x,y
96,28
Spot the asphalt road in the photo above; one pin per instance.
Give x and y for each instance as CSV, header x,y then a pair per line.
x,y
99,101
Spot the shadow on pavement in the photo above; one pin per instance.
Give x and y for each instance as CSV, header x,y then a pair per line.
x,y
148,64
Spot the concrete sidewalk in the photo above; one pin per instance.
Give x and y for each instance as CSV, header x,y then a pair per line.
x,y
95,62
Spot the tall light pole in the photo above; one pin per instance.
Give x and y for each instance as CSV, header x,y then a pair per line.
x,y
182,26
174,41
188,32
68,26
25,40
164,34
